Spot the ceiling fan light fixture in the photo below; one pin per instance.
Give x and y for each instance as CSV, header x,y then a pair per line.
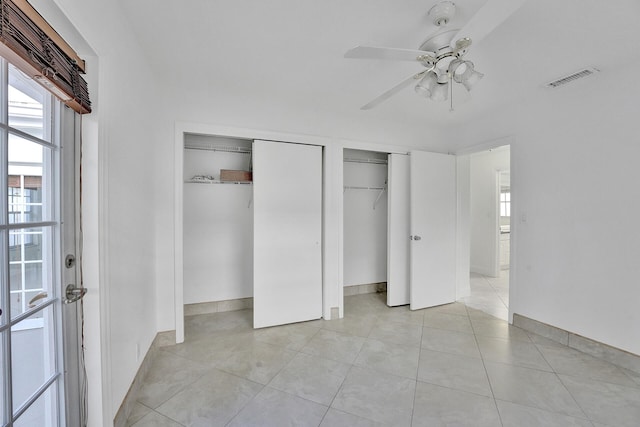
x,y
472,79
440,92
455,67
461,71
425,85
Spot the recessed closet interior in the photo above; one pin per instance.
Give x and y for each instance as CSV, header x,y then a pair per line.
x,y
218,221
252,228
365,221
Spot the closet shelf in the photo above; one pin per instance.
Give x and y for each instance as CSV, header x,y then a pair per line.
x,y
371,161
239,150
197,181
364,188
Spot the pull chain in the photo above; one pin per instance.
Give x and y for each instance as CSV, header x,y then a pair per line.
x,y
451,97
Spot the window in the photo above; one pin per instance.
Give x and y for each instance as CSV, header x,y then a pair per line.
x,y
505,203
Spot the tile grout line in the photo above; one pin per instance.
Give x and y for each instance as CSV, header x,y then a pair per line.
x,y
297,352
587,417
484,366
563,385
415,389
616,367
207,369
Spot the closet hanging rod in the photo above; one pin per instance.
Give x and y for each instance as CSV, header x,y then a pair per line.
x,y
239,150
372,161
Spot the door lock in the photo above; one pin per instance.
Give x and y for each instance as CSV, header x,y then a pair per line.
x,y
69,261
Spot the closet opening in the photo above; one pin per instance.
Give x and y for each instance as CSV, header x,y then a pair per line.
x,y
250,230
365,210
218,224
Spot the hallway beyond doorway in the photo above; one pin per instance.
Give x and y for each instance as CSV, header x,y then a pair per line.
x,y
490,294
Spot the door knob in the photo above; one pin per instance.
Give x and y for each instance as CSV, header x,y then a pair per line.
x,y
417,238
73,294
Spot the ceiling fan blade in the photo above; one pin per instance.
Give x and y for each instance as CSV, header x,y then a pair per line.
x,y
397,88
389,53
492,14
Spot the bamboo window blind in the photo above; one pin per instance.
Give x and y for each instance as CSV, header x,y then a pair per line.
x,y
33,46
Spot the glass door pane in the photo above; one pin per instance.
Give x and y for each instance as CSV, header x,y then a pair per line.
x,y
30,285
41,412
33,355
27,105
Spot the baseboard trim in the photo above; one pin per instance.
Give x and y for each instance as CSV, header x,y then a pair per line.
x,y
162,339
368,288
616,356
217,306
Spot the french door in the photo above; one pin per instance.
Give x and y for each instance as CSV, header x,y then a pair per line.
x,y
39,354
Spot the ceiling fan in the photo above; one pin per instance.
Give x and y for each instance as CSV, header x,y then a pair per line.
x,y
442,55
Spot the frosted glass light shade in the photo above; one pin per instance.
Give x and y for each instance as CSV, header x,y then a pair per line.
x,y
440,92
473,78
426,84
463,72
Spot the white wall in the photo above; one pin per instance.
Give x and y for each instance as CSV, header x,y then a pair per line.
x,y
484,208
365,228
129,124
575,205
463,226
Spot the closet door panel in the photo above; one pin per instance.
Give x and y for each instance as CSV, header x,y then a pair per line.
x,y
287,261
433,229
398,231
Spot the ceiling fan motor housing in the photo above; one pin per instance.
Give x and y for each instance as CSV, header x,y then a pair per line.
x,y
442,13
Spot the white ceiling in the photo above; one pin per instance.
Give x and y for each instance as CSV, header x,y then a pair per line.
x,y
291,51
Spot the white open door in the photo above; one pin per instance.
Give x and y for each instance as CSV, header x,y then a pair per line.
x,y
398,231
433,229
287,257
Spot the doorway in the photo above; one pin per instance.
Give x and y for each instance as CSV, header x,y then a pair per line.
x,y
420,228
40,356
365,222
490,230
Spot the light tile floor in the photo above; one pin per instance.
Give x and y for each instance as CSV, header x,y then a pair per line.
x,y
455,365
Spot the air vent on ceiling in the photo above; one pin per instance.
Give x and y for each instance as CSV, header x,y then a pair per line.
x,y
572,77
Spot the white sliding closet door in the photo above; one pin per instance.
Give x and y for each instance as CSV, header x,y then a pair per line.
x,y
433,229
398,231
287,257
